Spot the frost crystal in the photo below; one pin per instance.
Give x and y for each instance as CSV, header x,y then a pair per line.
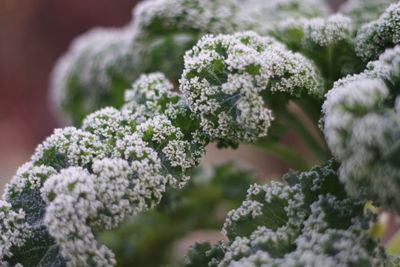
x,y
226,77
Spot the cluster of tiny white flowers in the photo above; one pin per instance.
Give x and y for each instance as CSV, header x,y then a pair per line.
x,y
225,75
374,37
14,230
88,64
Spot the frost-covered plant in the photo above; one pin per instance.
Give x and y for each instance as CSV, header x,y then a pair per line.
x,y
102,63
82,181
327,41
200,206
236,72
273,11
364,11
95,72
229,79
374,37
362,127
307,222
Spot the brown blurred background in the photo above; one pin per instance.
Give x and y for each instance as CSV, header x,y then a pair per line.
x,y
33,34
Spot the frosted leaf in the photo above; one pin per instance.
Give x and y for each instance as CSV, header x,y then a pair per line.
x,y
328,31
93,73
165,29
73,201
373,38
361,126
107,123
363,11
205,16
69,146
226,75
28,177
14,230
333,229
274,11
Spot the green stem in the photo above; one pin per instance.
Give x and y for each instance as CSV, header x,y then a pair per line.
x,y
312,109
283,152
304,132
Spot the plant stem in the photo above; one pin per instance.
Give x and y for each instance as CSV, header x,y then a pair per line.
x,y
284,152
304,132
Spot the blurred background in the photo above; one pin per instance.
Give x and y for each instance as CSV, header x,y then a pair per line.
x,y
33,35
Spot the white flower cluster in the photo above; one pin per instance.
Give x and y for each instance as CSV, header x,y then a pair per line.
x,y
307,223
363,11
226,76
361,126
90,179
88,72
374,37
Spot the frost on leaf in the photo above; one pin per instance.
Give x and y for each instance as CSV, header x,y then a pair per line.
x,y
83,181
165,29
94,72
227,78
364,11
327,41
362,127
274,11
374,37
309,221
